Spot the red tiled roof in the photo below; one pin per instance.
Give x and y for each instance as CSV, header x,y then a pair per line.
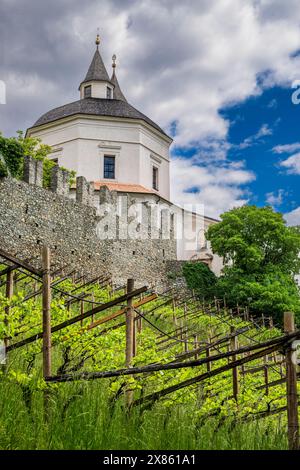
x,y
123,188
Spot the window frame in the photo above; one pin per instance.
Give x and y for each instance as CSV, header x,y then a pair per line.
x,y
87,87
108,93
155,180
113,157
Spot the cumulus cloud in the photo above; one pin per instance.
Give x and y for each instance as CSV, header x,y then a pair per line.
x,y
276,199
178,62
292,164
264,131
293,218
219,189
287,148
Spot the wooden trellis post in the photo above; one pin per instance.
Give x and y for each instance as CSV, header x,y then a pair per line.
x,y
291,386
129,324
196,346
46,294
140,324
46,301
129,337
207,354
235,378
9,294
266,374
174,312
81,311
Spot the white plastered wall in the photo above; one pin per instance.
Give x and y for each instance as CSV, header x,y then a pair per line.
x,y
83,142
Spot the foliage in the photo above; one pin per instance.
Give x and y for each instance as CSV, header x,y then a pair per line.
x,y
263,257
12,153
200,278
14,149
271,293
254,239
3,167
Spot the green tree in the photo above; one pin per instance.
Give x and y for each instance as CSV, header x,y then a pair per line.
x,y
199,277
13,151
11,160
262,257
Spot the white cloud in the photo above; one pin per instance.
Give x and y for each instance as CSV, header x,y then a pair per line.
x,y
276,199
293,217
264,131
219,188
177,62
273,104
288,148
292,164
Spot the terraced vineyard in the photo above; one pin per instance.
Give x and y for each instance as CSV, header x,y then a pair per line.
x,y
178,373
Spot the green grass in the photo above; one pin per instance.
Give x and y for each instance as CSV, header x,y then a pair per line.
x,y
91,415
81,417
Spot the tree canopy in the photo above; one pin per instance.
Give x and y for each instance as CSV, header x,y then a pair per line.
x,y
254,239
262,258
14,149
199,277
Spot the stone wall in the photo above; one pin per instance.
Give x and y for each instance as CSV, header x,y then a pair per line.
x,y
31,216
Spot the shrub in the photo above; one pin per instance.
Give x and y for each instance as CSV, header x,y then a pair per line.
x,y
199,277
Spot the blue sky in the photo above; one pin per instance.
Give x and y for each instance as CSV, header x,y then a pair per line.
x,y
263,136
258,127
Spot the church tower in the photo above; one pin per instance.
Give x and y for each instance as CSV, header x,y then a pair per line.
x,y
105,139
97,83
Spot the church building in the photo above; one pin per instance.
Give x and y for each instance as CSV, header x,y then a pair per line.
x,y
109,142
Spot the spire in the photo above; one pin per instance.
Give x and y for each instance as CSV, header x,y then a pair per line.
x,y
118,95
97,70
97,42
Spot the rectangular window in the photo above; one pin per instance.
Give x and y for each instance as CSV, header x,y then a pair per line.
x,y
108,93
109,167
155,178
88,91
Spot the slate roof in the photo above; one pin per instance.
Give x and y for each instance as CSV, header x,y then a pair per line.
x,y
118,95
97,70
96,107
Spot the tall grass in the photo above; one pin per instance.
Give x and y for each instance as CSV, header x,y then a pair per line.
x,y
81,416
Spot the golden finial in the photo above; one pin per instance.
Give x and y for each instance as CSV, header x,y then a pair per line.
x,y
114,58
97,39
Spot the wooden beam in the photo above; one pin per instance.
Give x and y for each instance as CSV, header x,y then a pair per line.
x,y
46,297
9,293
161,393
21,264
235,378
158,367
7,270
130,328
78,318
291,386
129,324
117,314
